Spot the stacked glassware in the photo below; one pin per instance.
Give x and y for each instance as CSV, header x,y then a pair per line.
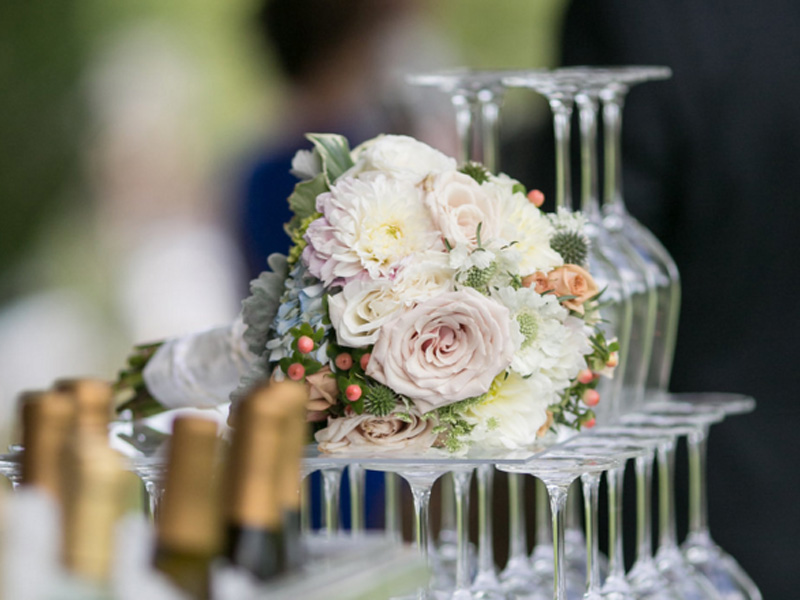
x,y
638,421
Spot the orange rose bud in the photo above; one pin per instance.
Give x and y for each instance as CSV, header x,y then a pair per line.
x,y
353,392
539,280
572,280
536,197
586,376
613,360
590,423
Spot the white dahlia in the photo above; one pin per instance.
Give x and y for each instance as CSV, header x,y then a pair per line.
x,y
510,416
368,227
526,225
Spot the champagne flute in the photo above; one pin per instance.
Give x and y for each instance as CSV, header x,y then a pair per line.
x,y
617,219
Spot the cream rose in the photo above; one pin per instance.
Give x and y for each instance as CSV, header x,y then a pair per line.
x,y
569,280
369,432
359,310
443,350
398,156
458,205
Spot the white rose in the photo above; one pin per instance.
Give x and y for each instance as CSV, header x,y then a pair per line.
x,y
445,349
398,156
360,309
372,433
512,414
427,275
458,205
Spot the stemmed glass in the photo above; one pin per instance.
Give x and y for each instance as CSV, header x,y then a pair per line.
x,y
477,96
639,280
420,478
669,561
617,219
356,478
602,447
331,482
699,549
560,89
557,473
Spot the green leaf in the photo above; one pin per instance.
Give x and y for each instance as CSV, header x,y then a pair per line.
x,y
518,189
334,150
303,200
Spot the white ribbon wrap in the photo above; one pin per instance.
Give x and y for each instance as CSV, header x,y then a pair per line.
x,y
200,369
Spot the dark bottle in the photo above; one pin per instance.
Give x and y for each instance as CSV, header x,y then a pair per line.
x,y
254,505
189,536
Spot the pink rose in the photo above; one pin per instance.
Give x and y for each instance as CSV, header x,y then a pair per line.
x,y
443,350
372,433
323,392
459,204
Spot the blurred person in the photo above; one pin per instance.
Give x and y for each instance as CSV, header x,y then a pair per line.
x,y
710,165
342,63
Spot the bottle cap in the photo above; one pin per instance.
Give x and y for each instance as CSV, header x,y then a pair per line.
x,y
93,400
92,504
46,421
189,515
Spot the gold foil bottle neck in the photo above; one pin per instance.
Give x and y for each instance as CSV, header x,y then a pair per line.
x,y
189,516
293,397
93,400
256,451
92,505
46,421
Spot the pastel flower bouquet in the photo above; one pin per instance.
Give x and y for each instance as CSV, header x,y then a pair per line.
x,y
426,304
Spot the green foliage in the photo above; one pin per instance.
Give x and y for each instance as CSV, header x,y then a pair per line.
x,y
571,246
334,150
475,170
259,309
131,387
379,400
303,203
518,188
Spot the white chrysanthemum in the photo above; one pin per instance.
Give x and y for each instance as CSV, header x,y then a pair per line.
x,y
424,276
398,156
510,417
368,227
526,225
549,344
567,220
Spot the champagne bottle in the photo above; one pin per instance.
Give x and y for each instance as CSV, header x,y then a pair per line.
x,y
46,422
293,398
253,518
93,401
92,502
189,535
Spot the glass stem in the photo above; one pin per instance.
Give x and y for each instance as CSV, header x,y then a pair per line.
x,y
562,115
422,498
667,534
331,479
587,112
644,503
356,476
698,501
517,545
490,101
616,561
591,485
392,506
467,116
558,503
613,102
485,538
543,533
461,481
447,526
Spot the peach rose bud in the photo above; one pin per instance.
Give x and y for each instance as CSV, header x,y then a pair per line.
x,y
536,198
572,280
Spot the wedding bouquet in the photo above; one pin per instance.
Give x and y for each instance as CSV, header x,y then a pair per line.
x,y
424,304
